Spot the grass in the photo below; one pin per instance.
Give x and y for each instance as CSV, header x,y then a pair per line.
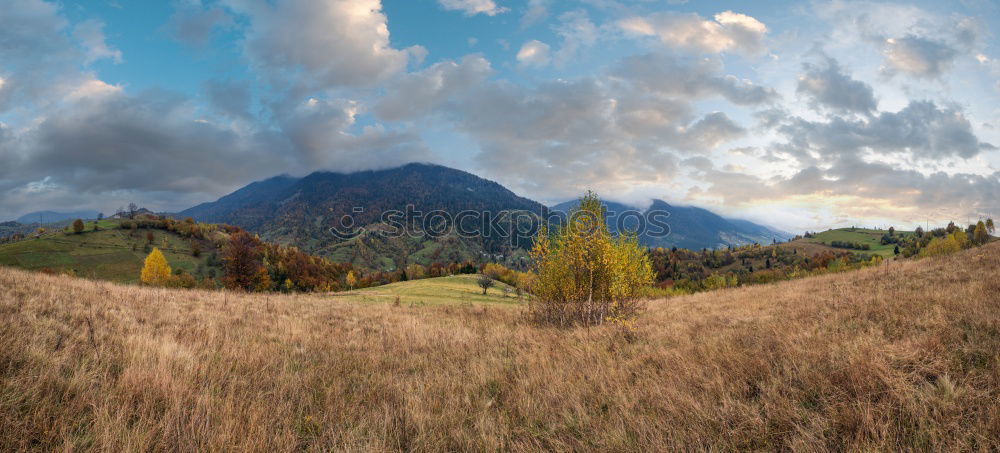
x,y
858,235
108,254
456,289
902,357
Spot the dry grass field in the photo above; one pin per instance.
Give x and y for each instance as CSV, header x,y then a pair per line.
x,y
901,357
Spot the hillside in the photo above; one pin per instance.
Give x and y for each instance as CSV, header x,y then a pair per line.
x,y
690,227
302,211
109,254
455,289
44,217
899,357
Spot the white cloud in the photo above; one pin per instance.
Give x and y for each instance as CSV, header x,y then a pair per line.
x,y
419,93
473,7
728,31
320,44
534,53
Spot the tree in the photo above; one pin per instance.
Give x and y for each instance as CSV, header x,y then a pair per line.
x,y
78,226
351,280
892,231
980,236
485,282
990,228
100,216
241,263
919,232
584,275
149,237
132,208
155,271
895,251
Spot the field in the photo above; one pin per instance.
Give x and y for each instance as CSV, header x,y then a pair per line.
x,y
456,289
905,356
109,254
870,237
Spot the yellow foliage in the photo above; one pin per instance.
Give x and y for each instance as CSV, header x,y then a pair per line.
x,y
155,271
942,246
586,275
351,280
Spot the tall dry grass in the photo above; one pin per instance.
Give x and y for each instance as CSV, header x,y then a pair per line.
x,y
903,357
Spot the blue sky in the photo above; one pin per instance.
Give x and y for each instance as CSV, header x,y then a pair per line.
x,y
801,115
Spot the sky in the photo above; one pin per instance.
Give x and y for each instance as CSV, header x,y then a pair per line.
x,y
799,115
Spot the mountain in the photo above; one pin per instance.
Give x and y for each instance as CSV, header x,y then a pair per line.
x,y
44,217
302,212
689,227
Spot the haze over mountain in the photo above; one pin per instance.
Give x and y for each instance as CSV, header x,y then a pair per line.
x,y
301,211
690,227
44,217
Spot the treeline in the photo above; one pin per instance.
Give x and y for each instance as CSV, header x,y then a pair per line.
x,y
850,245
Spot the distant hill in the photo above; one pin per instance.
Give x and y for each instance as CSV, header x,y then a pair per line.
x,y
690,227
45,217
302,211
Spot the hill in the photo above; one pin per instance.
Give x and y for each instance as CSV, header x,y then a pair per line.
x,y
45,217
302,211
899,357
690,227
108,254
855,236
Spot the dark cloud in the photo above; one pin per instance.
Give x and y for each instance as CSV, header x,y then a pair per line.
x,y
230,97
828,87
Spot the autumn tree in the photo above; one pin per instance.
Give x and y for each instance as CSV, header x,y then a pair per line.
x,y
351,280
155,271
241,264
990,228
980,236
584,275
78,226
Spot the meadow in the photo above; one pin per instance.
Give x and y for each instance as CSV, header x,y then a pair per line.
x,y
869,237
107,254
903,356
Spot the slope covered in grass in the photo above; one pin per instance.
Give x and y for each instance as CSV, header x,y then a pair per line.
x,y
107,254
455,289
903,356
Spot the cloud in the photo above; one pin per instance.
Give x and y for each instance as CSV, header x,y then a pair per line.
x,y
576,31
536,12
917,56
534,53
308,45
857,189
912,40
151,142
90,34
920,131
419,93
194,24
230,97
473,7
320,132
728,31
828,87
691,79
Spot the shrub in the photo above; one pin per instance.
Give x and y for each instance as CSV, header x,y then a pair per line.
x,y
584,275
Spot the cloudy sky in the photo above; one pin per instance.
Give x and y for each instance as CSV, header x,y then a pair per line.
x,y
800,115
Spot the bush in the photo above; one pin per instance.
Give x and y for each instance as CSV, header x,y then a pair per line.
x,y
584,276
